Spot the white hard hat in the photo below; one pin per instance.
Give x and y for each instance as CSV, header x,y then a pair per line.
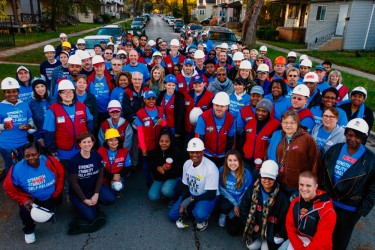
x,y
78,52
65,84
117,185
110,43
238,56
263,68
263,48
151,43
63,35
199,54
174,42
224,46
302,90
221,98
97,59
194,115
292,54
49,48
9,83
195,144
311,77
360,90
157,53
358,124
40,214
306,62
81,41
114,104
245,64
75,59
269,169
303,57
84,55
121,52
233,47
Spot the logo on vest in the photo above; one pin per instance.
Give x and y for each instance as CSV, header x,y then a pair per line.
x,y
60,119
210,129
80,112
248,118
249,130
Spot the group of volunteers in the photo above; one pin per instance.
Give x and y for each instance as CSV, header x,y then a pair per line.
x,y
275,146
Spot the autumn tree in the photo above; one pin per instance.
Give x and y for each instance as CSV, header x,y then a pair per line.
x,y
253,8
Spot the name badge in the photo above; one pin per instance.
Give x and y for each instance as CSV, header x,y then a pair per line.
x,y
147,123
60,119
187,103
80,112
180,85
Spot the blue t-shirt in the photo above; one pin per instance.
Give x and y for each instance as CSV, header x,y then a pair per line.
x,y
279,106
236,105
139,68
117,94
87,171
230,184
99,88
25,93
82,98
38,182
21,115
321,86
322,137
46,70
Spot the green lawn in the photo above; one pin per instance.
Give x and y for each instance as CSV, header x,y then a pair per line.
x,y
286,45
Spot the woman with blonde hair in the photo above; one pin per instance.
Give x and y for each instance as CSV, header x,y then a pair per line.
x,y
156,82
335,80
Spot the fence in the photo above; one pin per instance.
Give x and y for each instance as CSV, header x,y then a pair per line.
x,y
6,32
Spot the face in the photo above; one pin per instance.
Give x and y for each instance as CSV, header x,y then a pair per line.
x,y
279,68
253,55
157,60
113,143
221,76
133,56
291,59
174,48
63,39
163,53
108,55
210,69
50,55
311,86
232,162
237,64
170,87
199,61
188,69
219,110
23,75
81,84
67,95
116,65
246,54
128,48
176,70
262,76
259,61
307,188
204,38
11,95
255,98
163,45
137,80
32,157
99,68
222,57
189,40
261,114
198,87
148,51
292,78
276,90
200,47
115,114
211,55
123,81
164,142
40,89
327,67
86,63
81,46
267,183
196,157
329,119
289,125
98,51
263,52
156,74
86,144
143,41
304,70
63,59
357,99
239,88
67,49
352,139
135,41
298,101
329,99
150,102
74,70
334,79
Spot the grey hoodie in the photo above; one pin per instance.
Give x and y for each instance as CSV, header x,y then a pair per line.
x,y
216,87
336,136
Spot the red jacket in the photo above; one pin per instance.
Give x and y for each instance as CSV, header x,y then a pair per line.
x,y
66,130
118,163
317,223
105,125
256,144
304,113
247,114
343,91
169,63
108,78
215,142
150,131
18,195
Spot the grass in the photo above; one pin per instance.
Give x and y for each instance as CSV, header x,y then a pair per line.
x,y
286,45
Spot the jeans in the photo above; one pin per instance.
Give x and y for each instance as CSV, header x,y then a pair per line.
x,y
7,156
27,221
106,196
200,210
165,188
146,169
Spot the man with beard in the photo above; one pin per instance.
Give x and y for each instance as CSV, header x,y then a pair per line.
x,y
237,58
210,73
87,67
142,43
147,54
135,66
292,76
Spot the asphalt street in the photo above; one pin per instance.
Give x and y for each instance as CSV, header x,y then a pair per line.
x,y
134,222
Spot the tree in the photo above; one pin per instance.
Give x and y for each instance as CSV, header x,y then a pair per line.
x,y
253,8
185,14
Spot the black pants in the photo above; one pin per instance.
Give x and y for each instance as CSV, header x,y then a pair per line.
x,y
225,206
345,223
27,221
218,161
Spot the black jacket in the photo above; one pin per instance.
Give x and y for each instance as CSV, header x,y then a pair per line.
x,y
158,157
315,101
92,105
357,186
368,115
131,107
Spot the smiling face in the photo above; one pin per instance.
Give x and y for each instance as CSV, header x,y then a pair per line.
x,y
357,99
86,144
232,162
11,95
261,114
74,69
329,120
81,84
276,90
267,183
298,101
40,89
31,156
123,81
170,87
196,157
113,143
150,102
289,125
307,188
164,142
239,88
353,140
156,74
23,75
219,110
329,99
255,98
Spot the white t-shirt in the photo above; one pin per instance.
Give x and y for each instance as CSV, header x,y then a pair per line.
x,y
201,178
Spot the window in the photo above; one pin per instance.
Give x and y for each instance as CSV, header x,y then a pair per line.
x,y
293,11
321,13
201,12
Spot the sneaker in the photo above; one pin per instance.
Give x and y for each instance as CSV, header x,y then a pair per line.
x,y
201,226
30,238
180,223
222,220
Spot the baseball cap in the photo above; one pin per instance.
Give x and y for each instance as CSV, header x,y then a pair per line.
x,y
198,78
257,90
189,61
149,94
22,67
320,67
128,44
170,78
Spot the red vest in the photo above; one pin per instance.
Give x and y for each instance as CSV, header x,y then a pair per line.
x,y
105,125
215,142
169,63
66,130
247,114
204,103
151,133
342,93
169,111
129,93
304,113
118,163
256,144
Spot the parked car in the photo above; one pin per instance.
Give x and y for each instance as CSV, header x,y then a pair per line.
x,y
91,41
140,19
219,35
178,24
206,21
137,25
171,22
112,30
192,29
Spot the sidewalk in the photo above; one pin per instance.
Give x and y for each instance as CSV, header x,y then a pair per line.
x,y
17,50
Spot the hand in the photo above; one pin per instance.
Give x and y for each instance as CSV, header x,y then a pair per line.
x,y
7,126
165,167
236,211
185,203
158,122
88,202
256,183
94,199
116,177
160,169
24,126
144,152
41,142
176,135
28,204
182,209
256,228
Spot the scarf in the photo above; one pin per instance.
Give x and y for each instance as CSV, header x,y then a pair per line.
x,y
239,97
250,223
223,85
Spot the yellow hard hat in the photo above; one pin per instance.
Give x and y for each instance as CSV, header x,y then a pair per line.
x,y
111,133
66,44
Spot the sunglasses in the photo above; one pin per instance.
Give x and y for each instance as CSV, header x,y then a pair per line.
x,y
108,53
293,75
221,74
115,112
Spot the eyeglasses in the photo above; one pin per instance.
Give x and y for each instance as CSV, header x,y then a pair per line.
x,y
123,57
211,54
115,112
288,123
143,40
293,75
297,98
108,53
330,117
222,74
66,92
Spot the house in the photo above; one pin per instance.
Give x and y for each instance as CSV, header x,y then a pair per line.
x,y
229,10
203,9
336,25
23,11
112,7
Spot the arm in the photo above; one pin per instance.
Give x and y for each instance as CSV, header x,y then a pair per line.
x,y
209,195
101,136
128,137
141,138
179,114
15,193
59,171
75,186
129,113
224,192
